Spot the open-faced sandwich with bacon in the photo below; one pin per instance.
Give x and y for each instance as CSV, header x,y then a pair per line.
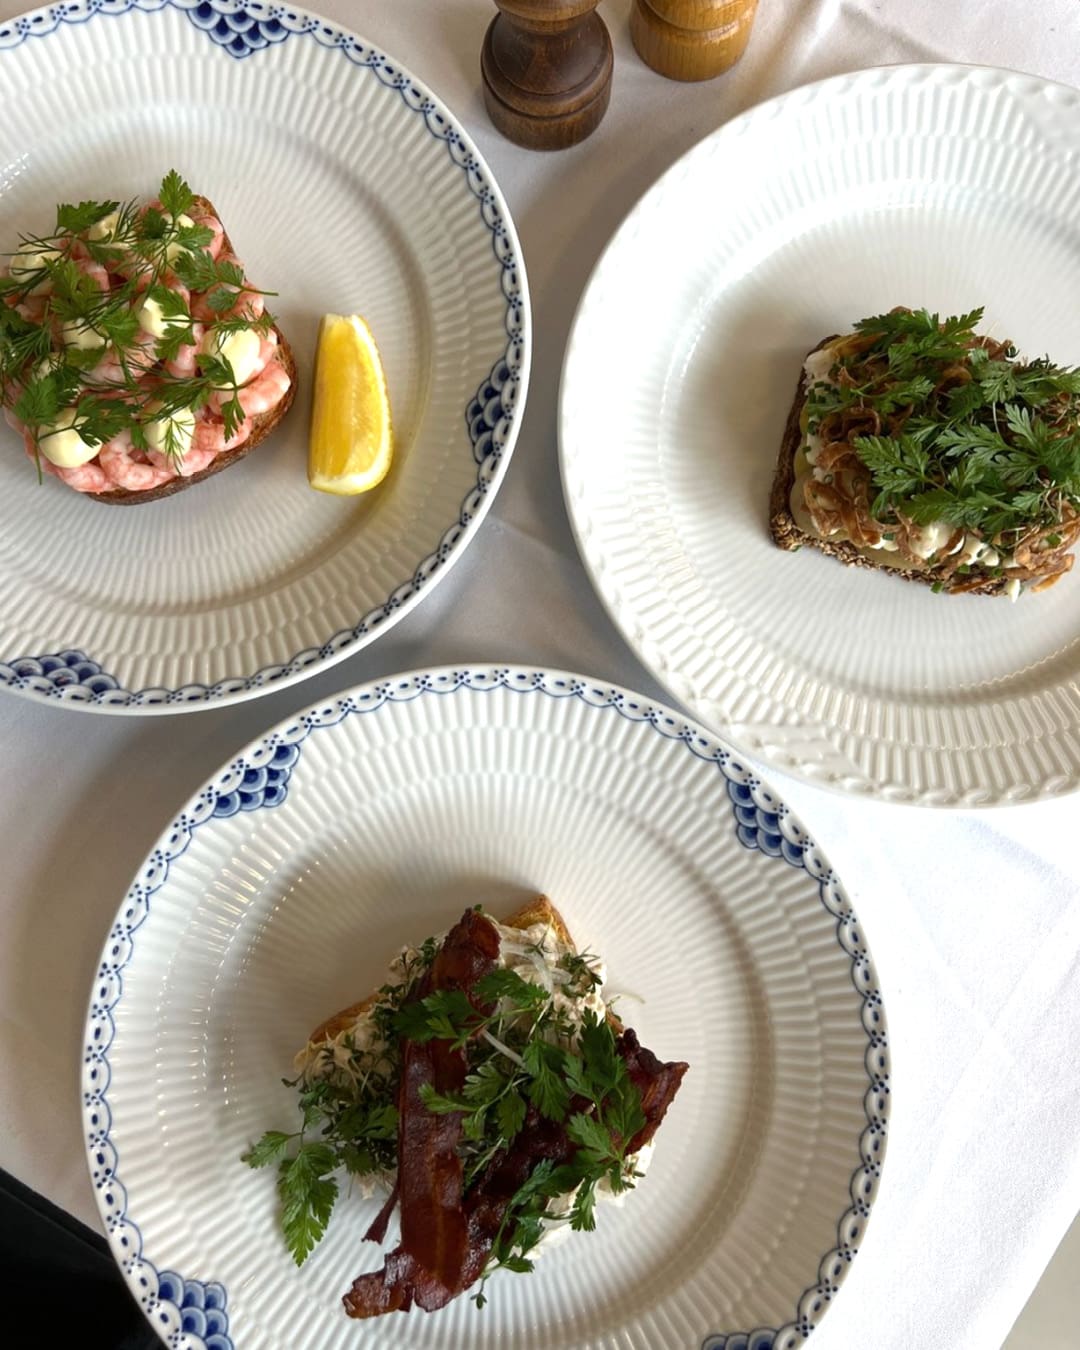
x,y
917,445
489,1089
135,357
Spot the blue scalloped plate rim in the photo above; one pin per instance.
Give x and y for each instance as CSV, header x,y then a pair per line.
x,y
192,1313
72,675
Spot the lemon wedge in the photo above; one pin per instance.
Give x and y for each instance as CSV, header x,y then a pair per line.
x,y
352,441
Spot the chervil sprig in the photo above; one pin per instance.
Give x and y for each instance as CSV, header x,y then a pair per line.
x,y
970,436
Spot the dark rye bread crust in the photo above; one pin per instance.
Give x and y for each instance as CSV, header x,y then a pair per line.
x,y
261,425
788,535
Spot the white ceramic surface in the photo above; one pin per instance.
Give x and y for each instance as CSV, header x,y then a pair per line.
x,y
346,186
283,888
939,186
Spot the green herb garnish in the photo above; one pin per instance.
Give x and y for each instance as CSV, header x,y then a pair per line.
x,y
969,436
530,1048
141,251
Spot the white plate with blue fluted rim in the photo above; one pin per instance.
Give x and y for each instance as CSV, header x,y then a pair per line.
x,y
346,186
281,889
905,185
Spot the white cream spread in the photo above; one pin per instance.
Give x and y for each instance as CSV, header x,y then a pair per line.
x,y
105,228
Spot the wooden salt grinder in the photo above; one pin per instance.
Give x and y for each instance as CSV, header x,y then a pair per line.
x,y
691,39
546,67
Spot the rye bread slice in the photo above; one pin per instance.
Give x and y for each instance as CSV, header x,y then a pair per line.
x,y
789,535
260,426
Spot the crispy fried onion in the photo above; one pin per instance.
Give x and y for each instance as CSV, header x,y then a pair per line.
x,y
839,500
1043,555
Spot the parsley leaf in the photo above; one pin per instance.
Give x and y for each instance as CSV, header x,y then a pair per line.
x,y
175,195
510,1111
505,983
582,1213
307,1193
547,1089
78,219
269,1148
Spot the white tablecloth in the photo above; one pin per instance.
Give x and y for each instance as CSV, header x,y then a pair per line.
x,y
974,919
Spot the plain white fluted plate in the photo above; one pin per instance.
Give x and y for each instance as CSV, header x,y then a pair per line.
x,y
944,186
346,186
282,889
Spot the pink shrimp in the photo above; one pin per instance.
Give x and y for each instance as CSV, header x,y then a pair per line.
x,y
95,271
32,308
210,436
183,365
85,478
130,469
88,477
248,304
196,461
107,371
197,458
201,217
265,389
110,370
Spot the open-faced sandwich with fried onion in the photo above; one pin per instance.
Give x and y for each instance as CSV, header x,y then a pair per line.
x,y
489,1089
135,357
919,446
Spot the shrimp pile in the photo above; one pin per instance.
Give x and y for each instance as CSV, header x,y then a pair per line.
x,y
147,347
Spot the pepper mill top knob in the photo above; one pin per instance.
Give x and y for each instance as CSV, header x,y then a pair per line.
x,y
691,39
546,68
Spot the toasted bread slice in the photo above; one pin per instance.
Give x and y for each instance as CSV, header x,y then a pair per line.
x,y
789,535
260,426
537,910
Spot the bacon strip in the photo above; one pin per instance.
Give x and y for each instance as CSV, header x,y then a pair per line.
x,y
428,1266
657,1083
544,1140
538,1141
379,1225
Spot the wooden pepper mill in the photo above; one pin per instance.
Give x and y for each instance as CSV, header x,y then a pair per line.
x,y
691,39
546,67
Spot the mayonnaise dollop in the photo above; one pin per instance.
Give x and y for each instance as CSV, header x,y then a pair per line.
x,y
156,431
240,348
153,319
61,443
30,259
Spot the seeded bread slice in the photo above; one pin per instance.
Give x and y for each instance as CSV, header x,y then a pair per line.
x,y
789,535
260,426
